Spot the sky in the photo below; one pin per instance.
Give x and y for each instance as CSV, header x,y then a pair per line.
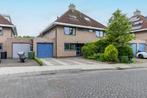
x,y
33,16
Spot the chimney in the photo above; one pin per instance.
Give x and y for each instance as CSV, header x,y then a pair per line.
x,y
137,13
72,7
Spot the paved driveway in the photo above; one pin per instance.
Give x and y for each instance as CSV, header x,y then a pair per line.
x,y
16,63
69,61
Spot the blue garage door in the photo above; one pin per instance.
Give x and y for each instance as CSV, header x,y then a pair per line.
x,y
142,47
134,48
44,50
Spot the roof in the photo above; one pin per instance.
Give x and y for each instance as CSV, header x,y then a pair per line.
x,y
140,23
78,18
75,18
4,21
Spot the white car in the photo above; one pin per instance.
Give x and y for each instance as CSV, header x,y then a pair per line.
x,y
141,55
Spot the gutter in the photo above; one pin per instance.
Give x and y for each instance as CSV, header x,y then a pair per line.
x,y
10,26
139,30
72,25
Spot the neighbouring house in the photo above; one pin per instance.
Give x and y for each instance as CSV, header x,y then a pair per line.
x,y
139,23
9,43
66,36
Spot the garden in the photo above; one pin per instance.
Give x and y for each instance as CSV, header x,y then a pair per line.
x,y
114,47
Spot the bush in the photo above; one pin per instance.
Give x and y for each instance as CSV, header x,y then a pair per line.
x,y
38,61
89,50
96,56
101,45
102,58
125,51
111,54
125,59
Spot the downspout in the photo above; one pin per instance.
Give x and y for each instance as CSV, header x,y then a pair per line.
x,y
56,41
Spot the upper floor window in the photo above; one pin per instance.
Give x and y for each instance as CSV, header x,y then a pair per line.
x,y
100,34
1,31
69,31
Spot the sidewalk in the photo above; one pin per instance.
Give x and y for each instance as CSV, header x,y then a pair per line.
x,y
32,69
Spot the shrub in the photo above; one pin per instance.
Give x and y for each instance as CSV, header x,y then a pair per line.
x,y
125,51
102,58
125,59
101,45
111,54
89,50
38,61
96,56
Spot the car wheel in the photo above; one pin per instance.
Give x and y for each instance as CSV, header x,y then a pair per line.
x,y
140,56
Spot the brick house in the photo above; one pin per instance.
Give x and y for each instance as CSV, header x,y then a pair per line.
x,y
66,36
139,23
9,43
7,30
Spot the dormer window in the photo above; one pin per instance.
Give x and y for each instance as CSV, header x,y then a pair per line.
x,y
1,31
69,31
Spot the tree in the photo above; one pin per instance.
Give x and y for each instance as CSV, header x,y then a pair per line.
x,y
119,29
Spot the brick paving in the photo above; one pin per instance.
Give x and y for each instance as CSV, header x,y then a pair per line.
x,y
97,84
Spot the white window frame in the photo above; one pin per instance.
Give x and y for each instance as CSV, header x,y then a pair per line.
x,y
70,30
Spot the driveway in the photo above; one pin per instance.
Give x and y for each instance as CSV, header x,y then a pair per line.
x,y
69,61
16,63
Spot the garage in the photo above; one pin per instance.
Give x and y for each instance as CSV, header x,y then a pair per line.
x,y
134,48
18,47
142,47
44,50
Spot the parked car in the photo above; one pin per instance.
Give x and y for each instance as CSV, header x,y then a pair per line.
x,y
141,55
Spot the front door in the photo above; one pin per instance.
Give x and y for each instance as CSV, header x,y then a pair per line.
x,y
78,49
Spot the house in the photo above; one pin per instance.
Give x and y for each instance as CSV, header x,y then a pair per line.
x,y
66,35
7,30
9,43
139,23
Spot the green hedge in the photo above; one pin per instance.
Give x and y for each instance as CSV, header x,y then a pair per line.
x,y
89,50
39,61
125,59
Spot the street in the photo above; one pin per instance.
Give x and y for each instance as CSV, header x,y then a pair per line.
x,y
92,84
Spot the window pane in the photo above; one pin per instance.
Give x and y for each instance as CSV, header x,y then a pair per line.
x,y
72,46
66,30
1,47
101,34
1,31
97,33
69,31
66,46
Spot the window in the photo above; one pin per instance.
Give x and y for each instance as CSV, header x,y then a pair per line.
x,y
86,30
100,33
1,31
69,46
1,47
69,31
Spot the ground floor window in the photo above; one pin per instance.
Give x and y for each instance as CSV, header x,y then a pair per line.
x,y
1,46
70,46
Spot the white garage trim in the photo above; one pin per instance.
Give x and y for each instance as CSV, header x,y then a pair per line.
x,y
18,47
